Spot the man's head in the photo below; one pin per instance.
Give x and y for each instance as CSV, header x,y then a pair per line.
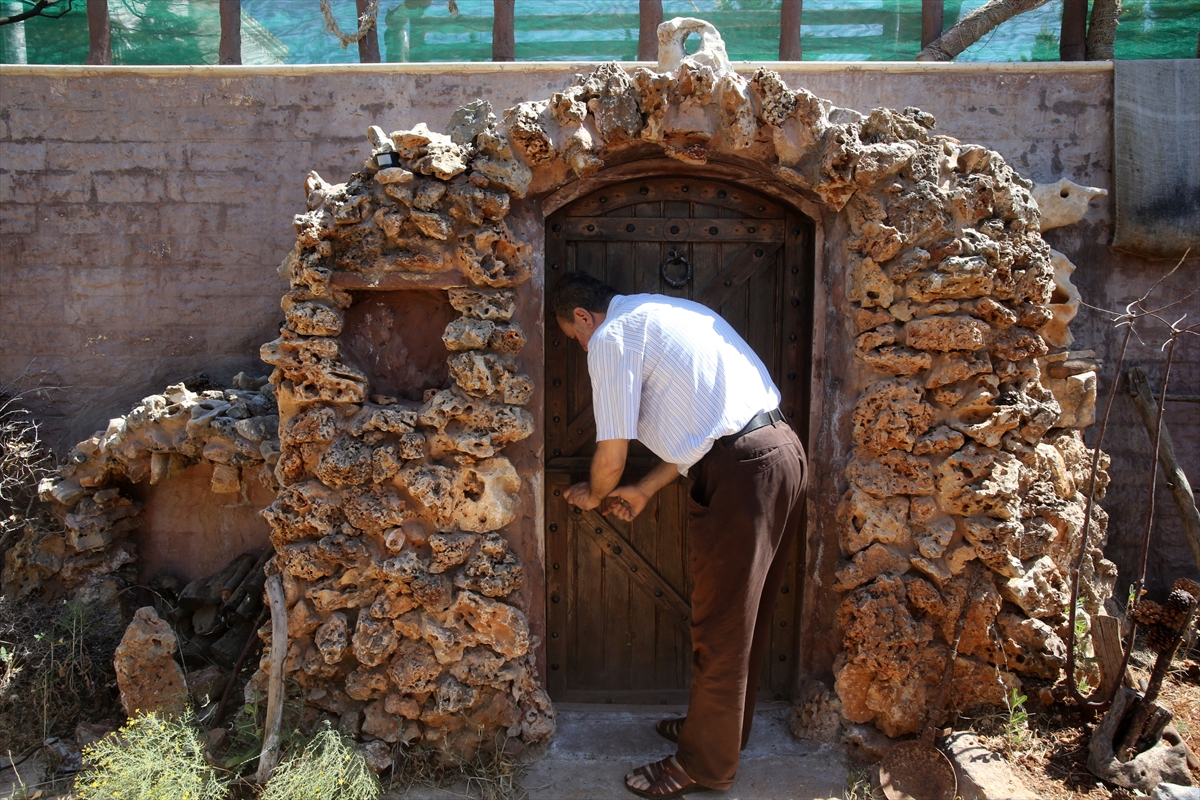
x,y
580,302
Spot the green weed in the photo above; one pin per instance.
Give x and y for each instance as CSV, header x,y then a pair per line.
x,y
1016,728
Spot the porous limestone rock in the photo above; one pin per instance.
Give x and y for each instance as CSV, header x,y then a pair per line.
x,y
378,524
891,415
148,676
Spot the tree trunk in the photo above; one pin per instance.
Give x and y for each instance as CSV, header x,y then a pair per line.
x,y
932,20
1072,43
650,16
368,45
789,30
231,32
99,33
1102,30
975,26
504,46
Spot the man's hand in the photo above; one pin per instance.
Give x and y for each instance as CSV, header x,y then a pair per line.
x,y
580,496
629,502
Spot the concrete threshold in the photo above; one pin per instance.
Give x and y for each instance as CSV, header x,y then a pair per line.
x,y
596,745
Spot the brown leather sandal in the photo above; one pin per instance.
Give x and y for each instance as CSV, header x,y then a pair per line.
x,y
665,778
669,728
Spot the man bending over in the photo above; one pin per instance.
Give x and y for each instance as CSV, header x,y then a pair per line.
x,y
675,376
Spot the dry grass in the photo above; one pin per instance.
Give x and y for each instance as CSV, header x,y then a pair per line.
x,y
55,671
1051,758
489,776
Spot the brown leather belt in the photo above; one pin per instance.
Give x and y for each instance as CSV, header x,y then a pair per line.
x,y
759,420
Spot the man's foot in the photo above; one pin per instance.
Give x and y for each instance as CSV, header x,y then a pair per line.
x,y
661,779
669,728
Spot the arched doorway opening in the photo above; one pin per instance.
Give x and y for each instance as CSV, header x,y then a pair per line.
x,y
617,593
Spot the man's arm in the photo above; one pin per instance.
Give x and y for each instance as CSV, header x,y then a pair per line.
x,y
635,496
607,466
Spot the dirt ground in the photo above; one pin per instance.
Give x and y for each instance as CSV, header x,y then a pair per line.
x,y
1050,753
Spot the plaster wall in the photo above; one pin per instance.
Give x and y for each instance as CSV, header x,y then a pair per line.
x,y
143,212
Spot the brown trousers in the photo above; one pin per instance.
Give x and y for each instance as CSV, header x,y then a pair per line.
x,y
744,512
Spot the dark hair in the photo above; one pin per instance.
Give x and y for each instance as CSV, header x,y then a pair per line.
x,y
580,290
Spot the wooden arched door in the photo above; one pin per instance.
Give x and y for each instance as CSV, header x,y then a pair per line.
x,y
617,594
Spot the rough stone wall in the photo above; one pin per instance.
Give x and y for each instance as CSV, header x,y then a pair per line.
x,y
152,179
964,491
404,600
142,211
233,431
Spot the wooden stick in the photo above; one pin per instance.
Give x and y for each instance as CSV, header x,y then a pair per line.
x,y
1106,638
1181,490
237,668
230,51
1072,41
504,47
650,16
99,33
1159,718
789,30
368,45
932,21
279,645
252,581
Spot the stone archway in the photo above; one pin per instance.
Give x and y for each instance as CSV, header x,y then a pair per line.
x,y
405,529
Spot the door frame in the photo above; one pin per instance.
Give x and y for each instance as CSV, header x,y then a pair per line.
x,y
754,177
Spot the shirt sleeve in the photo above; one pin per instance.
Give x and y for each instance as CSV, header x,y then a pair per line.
x,y
616,373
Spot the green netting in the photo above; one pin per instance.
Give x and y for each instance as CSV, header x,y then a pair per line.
x,y
293,31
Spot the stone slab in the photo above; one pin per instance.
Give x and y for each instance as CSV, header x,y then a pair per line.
x,y
982,774
597,745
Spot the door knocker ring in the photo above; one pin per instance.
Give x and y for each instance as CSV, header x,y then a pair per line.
x,y
676,257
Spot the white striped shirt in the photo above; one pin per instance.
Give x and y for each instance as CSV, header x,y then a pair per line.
x,y
674,375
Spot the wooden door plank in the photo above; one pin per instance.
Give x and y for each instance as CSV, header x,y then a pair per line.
x,y
671,642
669,189
587,668
643,534
762,329
676,697
738,264
617,595
570,667
621,267
557,355
705,256
622,553
580,431
624,229
557,589
648,255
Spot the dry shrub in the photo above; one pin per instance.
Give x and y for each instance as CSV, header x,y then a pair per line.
x,y
24,461
55,670
327,768
492,775
150,758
